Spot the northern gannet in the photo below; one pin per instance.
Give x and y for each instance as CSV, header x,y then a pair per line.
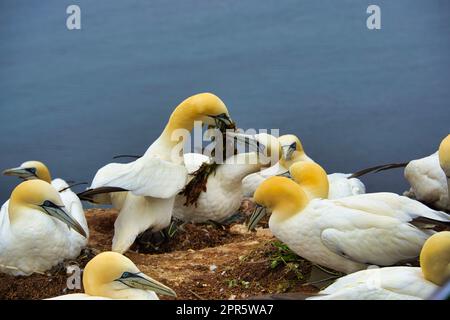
x,y
35,230
31,170
428,176
346,234
110,275
223,195
158,176
397,283
340,184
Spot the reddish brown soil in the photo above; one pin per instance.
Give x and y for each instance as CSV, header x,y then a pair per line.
x,y
202,262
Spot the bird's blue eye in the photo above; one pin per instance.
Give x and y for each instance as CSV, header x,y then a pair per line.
x,y
47,203
125,275
31,170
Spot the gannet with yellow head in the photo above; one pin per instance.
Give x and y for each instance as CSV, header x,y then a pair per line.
x,y
398,283
110,275
223,195
340,184
34,230
345,234
31,170
159,175
428,177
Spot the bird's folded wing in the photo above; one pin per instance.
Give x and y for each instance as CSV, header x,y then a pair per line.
x,y
391,205
147,176
193,161
376,240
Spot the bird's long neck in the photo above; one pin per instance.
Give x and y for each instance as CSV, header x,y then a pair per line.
x,y
239,166
45,175
296,157
291,205
177,130
316,189
16,212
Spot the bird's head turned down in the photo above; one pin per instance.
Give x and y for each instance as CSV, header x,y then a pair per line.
x,y
41,197
444,155
30,170
282,195
312,177
34,193
291,150
435,258
204,107
112,275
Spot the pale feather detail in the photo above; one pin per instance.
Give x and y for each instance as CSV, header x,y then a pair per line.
x,y
340,186
428,182
223,194
138,214
193,161
73,206
35,243
351,233
390,283
147,176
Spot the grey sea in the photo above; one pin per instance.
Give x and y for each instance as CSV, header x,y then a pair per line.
x,y
356,97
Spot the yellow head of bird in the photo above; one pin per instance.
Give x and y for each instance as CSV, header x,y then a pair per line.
x,y
40,196
444,155
112,275
33,194
282,195
30,170
292,150
311,177
204,107
435,258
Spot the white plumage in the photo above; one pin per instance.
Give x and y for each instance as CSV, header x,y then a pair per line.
x,y
154,179
34,241
153,183
391,283
348,234
428,182
223,194
398,283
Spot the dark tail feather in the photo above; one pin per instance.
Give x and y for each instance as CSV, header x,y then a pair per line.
x,y
127,156
377,169
73,184
88,195
427,223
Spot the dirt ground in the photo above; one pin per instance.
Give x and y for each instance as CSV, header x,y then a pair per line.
x,y
202,261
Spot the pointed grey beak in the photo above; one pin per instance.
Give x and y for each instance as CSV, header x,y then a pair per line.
x,y
286,174
257,215
144,282
288,150
23,173
59,213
